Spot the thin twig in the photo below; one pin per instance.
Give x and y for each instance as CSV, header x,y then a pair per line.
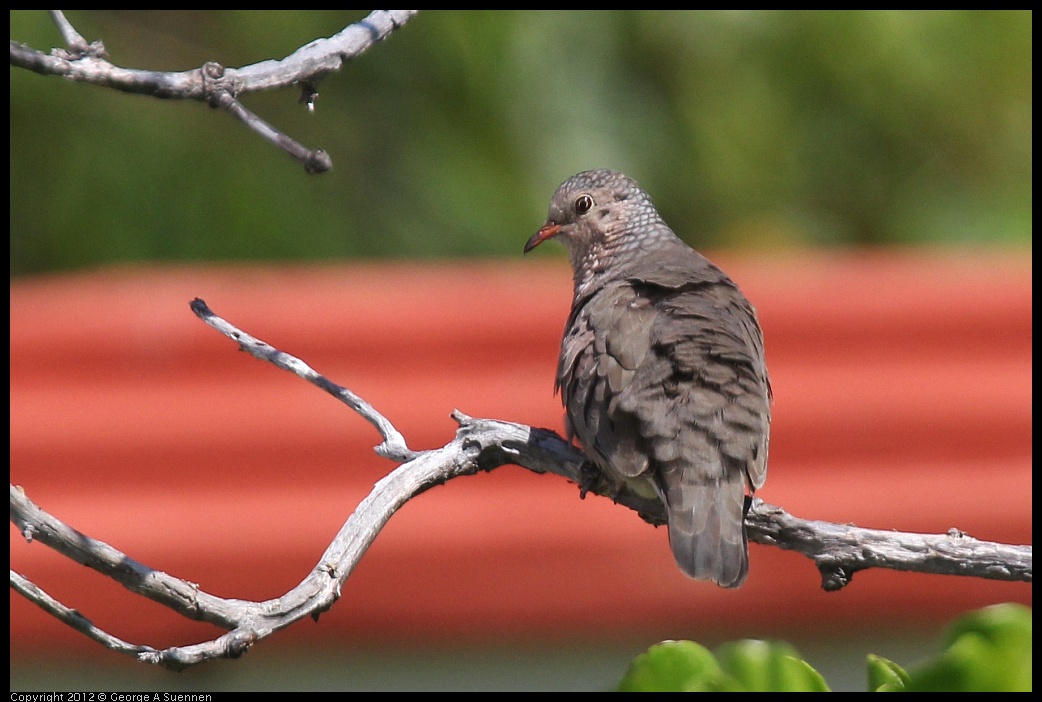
x,y
394,445
78,47
73,618
316,161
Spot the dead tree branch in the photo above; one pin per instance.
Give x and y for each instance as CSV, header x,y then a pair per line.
x,y
838,551
213,83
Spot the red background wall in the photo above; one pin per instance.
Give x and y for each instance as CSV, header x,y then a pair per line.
x,y
902,401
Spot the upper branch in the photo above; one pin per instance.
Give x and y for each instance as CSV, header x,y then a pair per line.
x,y
308,63
213,83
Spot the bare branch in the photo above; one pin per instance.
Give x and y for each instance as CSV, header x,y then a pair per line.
x,y
248,622
215,84
838,551
183,597
73,618
393,446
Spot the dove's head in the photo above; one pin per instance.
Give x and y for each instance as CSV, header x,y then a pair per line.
x,y
604,219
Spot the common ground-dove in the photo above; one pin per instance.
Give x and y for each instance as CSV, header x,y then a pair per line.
x,y
662,370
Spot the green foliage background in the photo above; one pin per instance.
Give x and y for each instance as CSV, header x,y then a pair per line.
x,y
987,650
750,129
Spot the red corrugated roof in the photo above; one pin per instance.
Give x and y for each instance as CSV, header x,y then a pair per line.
x,y
902,401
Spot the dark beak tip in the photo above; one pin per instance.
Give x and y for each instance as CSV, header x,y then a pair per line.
x,y
545,232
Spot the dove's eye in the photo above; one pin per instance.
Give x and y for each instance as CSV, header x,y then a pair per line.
x,y
583,203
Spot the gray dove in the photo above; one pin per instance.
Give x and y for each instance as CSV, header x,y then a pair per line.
x,y
662,371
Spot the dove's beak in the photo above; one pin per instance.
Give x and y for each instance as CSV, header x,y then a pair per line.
x,y
547,231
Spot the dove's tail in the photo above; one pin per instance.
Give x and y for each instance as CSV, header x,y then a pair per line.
x,y
707,529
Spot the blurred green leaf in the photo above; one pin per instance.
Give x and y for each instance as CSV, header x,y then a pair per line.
x,y
985,651
744,666
768,666
884,675
671,666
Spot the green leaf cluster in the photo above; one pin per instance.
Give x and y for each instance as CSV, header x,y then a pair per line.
x,y
740,666
986,650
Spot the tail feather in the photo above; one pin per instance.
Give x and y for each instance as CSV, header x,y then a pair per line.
x,y
707,530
